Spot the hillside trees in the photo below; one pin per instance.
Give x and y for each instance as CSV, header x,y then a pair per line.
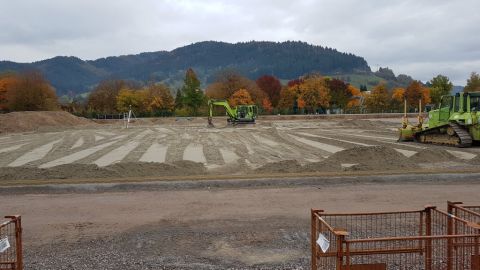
x,y
30,92
440,86
473,83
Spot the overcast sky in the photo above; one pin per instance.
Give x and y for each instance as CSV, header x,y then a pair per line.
x,y
420,38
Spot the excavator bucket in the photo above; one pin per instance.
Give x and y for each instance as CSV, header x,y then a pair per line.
x,y
210,122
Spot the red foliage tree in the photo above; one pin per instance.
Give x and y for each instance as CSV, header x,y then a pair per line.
x,y
271,86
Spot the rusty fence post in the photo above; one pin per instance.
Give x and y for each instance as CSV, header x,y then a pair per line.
x,y
17,219
313,237
428,232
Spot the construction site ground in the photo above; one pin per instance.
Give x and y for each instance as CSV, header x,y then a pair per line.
x,y
174,194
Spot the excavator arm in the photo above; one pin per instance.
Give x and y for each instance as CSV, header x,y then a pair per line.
x,y
230,112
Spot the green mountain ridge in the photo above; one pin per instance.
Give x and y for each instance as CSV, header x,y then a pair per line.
x,y
285,60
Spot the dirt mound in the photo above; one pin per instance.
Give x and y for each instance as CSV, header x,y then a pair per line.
x,y
475,160
119,170
33,121
430,155
284,166
322,166
371,158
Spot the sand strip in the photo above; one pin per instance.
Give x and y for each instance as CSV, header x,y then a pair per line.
x,y
76,156
12,148
35,154
194,152
78,143
155,153
329,138
117,154
323,146
462,155
228,155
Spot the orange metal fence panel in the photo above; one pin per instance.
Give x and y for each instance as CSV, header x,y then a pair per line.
x,y
424,239
11,256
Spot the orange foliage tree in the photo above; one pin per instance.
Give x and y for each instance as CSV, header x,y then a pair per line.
x,y
267,105
6,82
159,98
31,92
240,97
415,92
378,100
315,93
228,82
356,94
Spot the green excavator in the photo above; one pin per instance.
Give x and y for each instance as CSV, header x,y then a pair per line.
x,y
456,122
242,114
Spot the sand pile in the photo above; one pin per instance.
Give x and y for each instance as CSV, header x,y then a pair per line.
x,y
372,158
284,166
119,170
430,155
475,160
32,121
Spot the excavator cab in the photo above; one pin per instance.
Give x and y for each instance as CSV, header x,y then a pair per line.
x,y
238,115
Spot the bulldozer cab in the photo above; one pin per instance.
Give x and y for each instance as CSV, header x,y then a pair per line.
x,y
445,108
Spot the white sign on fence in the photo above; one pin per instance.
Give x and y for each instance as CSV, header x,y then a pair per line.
x,y
323,242
4,244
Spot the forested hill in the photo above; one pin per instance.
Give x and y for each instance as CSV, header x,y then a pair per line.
x,y
286,60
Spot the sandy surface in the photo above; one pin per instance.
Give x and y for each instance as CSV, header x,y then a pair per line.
x,y
202,228
222,198
320,145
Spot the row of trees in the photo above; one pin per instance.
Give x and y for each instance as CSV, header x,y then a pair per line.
x,y
310,94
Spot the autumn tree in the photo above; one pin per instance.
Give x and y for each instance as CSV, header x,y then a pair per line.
x,y
104,97
7,80
378,100
315,93
271,86
473,83
440,86
31,92
339,93
240,97
356,96
267,105
229,81
137,100
415,92
289,96
159,99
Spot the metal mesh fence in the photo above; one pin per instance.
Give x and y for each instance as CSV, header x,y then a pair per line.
x,y
11,243
425,239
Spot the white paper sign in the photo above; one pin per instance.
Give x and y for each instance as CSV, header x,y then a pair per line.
x,y
323,242
4,244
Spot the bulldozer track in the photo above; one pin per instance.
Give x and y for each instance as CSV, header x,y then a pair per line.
x,y
460,139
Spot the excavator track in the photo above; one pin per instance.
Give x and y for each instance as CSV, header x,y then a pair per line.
x,y
459,138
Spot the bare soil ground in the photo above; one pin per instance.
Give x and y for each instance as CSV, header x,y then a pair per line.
x,y
185,146
203,227
223,198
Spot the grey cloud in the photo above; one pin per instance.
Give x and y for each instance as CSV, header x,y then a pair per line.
x,y
419,38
